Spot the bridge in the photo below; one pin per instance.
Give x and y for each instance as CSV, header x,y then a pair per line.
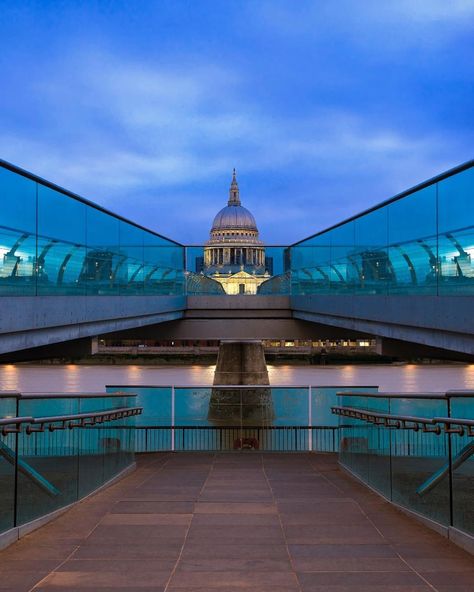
x,y
71,270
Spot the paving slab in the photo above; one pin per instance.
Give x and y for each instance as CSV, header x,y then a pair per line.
x,y
235,522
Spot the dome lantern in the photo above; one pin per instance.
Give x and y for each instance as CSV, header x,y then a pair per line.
x,y
234,194
234,217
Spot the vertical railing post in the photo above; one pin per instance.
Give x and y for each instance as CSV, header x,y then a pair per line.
x,y
78,482
15,468
185,265
450,464
391,452
15,477
310,421
172,418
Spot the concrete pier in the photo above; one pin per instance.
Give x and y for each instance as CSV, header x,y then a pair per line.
x,y
241,363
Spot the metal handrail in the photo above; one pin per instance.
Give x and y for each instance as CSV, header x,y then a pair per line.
x,y
36,179
400,395
457,425
384,418
16,422
386,202
409,422
232,427
392,395
83,419
387,420
235,386
455,420
37,424
9,394
92,395
460,393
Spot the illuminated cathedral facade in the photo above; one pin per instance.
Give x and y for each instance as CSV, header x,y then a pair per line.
x,y
234,255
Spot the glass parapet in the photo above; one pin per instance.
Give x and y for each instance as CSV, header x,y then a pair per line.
x,y
353,437
462,462
417,456
419,243
276,285
55,243
17,235
59,453
400,445
49,476
157,404
229,417
8,448
197,284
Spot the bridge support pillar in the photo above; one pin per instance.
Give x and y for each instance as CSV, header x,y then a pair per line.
x,y
241,363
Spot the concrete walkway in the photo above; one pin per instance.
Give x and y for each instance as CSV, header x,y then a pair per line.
x,y
235,522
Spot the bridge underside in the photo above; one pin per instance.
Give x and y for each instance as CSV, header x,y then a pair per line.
x,y
425,329
409,326
444,323
236,317
241,328
38,322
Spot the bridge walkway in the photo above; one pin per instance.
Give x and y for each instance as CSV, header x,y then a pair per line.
x,y
199,522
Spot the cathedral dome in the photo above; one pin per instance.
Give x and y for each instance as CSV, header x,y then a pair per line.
x,y
234,217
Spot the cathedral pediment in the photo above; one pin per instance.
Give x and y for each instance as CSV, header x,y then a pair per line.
x,y
242,275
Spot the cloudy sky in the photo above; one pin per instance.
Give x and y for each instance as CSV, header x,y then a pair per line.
x,y
325,107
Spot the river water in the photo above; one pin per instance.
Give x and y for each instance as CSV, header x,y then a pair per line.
x,y
79,378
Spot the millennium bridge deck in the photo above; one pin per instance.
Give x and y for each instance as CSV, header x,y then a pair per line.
x,y
235,522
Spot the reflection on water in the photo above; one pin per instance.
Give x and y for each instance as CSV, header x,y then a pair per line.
x,y
74,378
8,377
468,372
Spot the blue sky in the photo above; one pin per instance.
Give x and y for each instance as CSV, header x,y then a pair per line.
x,y
324,107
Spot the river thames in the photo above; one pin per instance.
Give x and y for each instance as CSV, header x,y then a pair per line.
x,y
80,378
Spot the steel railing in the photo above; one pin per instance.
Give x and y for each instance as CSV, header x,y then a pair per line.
x,y
154,438
79,420
435,425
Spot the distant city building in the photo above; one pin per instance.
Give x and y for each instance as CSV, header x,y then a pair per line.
x,y
234,255
97,267
269,265
199,264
